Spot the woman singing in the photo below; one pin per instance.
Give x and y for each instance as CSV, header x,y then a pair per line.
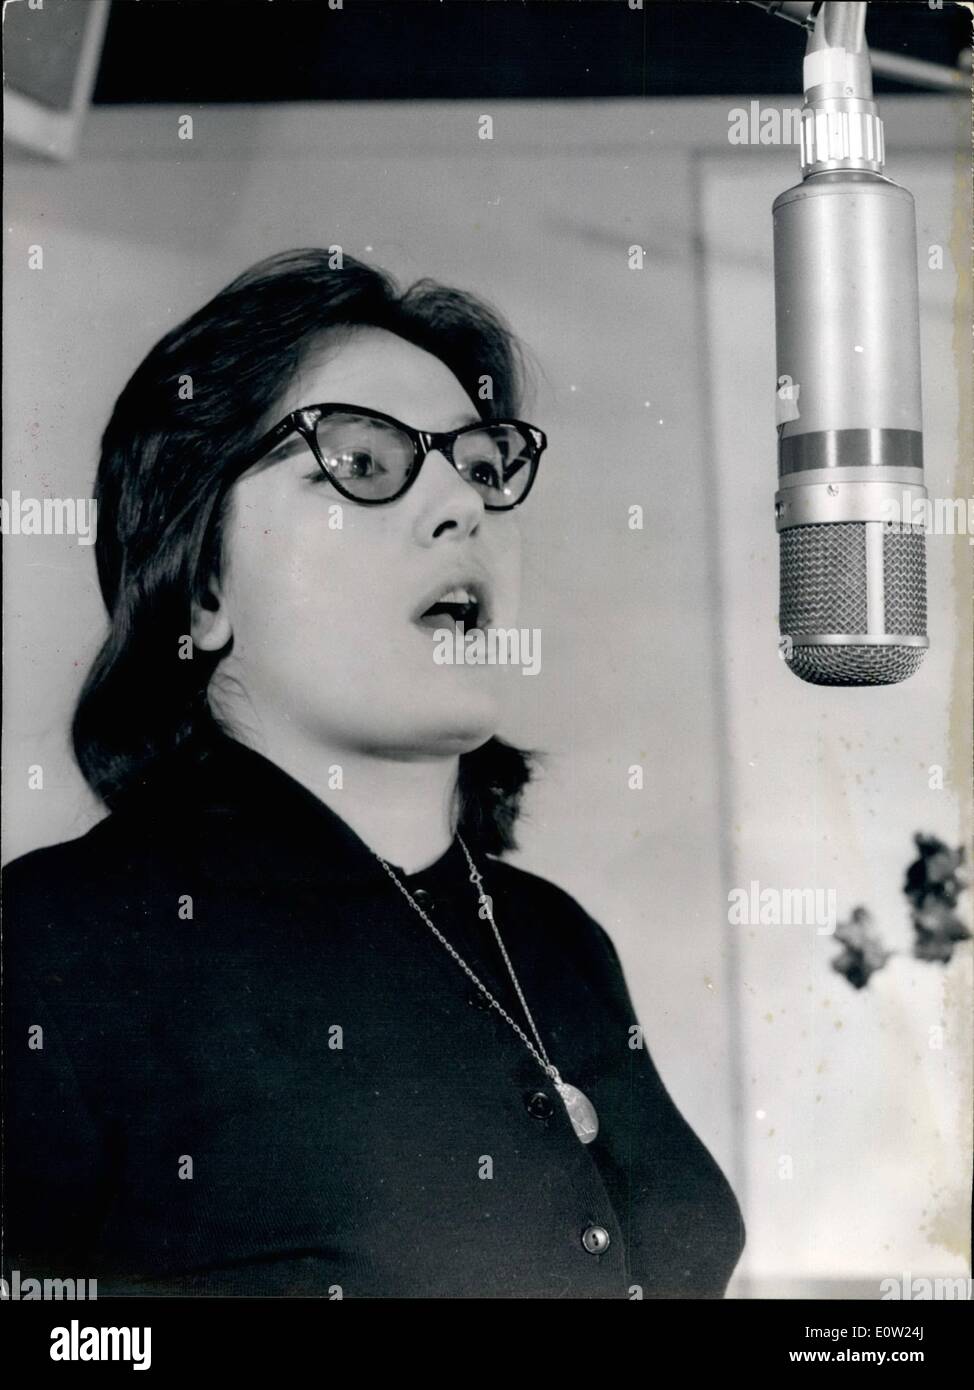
x,y
285,1022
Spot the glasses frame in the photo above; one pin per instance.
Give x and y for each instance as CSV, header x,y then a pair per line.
x,y
305,420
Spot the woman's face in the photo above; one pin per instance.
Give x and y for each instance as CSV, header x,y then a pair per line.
x,y
325,643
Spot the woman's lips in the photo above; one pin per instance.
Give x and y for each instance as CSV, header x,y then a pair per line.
x,y
450,622
460,596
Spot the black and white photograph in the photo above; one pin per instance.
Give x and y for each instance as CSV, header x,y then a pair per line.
x,y
488,534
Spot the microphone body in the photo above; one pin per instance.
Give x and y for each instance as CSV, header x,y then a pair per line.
x,y
850,443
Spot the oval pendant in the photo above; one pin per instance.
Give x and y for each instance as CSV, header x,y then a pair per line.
x,y
581,1111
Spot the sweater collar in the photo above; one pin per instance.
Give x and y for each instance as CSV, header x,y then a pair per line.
x,y
272,826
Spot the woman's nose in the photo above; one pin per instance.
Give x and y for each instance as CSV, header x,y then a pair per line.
x,y
447,499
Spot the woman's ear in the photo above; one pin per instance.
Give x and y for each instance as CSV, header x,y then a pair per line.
x,y
210,624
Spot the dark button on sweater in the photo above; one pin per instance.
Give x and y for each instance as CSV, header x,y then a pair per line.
x,y
239,1062
539,1105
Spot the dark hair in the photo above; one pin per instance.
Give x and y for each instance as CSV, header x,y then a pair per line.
x,y
198,399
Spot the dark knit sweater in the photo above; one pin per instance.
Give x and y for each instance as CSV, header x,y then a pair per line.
x,y
262,1074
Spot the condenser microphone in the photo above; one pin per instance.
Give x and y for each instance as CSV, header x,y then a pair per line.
x,y
850,443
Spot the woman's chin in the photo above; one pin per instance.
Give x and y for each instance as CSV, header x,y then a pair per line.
x,y
462,729
458,724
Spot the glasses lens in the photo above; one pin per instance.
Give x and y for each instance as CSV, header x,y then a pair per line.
x,y
369,458
497,460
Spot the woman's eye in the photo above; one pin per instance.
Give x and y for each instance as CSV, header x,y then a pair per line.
x,y
355,465
487,473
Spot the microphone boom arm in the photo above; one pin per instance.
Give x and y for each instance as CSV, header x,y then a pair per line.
x,y
914,72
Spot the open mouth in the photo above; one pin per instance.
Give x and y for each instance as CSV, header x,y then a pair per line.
x,y
463,603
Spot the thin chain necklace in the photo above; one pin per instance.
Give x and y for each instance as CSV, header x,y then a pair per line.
x,y
581,1111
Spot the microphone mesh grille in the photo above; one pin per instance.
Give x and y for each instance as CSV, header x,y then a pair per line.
x,y
905,576
824,590
823,578
855,665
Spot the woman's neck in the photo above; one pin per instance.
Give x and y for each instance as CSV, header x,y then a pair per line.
x,y
402,808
